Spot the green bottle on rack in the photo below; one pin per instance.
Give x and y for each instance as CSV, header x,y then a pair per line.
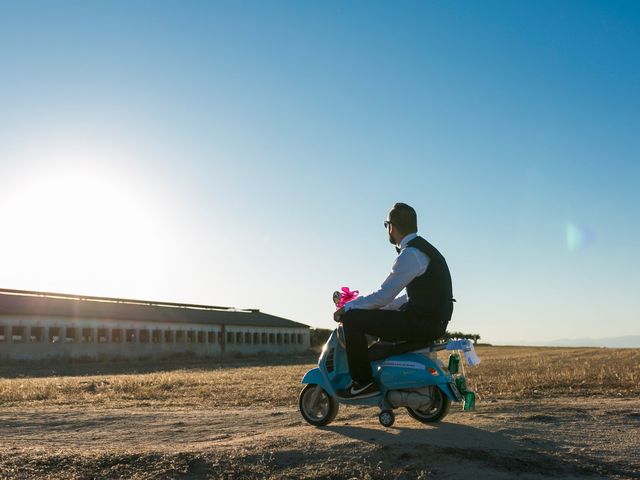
x,y
469,401
454,363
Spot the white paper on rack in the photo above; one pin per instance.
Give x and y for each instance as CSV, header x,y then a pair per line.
x,y
470,355
467,348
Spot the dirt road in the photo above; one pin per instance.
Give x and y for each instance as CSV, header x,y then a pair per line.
x,y
533,439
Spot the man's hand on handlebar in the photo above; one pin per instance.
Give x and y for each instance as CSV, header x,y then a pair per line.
x,y
337,316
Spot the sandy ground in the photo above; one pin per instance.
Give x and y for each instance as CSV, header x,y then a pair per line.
x,y
562,438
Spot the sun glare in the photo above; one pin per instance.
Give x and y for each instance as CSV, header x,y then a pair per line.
x,y
80,227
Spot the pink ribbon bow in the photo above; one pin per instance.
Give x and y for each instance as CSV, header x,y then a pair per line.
x,y
346,296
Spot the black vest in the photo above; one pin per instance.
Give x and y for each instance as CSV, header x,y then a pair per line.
x,y
430,294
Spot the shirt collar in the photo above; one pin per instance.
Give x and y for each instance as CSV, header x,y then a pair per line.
x,y
407,239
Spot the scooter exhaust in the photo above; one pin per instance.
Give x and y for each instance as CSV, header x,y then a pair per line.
x,y
418,400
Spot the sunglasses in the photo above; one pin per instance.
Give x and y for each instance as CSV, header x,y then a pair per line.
x,y
387,223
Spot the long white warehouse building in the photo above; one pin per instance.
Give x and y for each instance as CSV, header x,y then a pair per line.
x,y
38,325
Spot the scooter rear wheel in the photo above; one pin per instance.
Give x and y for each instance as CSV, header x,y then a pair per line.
x,y
436,411
316,406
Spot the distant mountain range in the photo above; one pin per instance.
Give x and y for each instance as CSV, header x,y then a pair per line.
x,y
627,341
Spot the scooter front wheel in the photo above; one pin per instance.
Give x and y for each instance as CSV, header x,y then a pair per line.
x,y
316,406
436,411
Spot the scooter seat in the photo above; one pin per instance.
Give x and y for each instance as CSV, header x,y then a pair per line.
x,y
382,349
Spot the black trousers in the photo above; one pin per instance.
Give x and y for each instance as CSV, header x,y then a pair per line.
x,y
391,325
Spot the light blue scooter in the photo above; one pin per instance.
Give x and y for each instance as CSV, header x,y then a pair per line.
x,y
408,373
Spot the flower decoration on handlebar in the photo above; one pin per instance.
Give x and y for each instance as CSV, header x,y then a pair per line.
x,y
344,297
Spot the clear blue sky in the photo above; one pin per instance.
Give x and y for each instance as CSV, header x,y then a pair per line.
x,y
246,154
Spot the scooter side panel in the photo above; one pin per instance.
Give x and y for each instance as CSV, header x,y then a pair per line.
x,y
410,371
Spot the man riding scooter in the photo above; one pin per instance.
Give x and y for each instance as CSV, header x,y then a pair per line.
x,y
421,314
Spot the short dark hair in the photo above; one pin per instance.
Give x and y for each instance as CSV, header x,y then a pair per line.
x,y
404,218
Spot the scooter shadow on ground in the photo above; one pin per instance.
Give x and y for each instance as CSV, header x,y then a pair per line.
x,y
467,447
440,434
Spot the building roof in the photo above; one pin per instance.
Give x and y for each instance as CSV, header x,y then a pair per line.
x,y
24,302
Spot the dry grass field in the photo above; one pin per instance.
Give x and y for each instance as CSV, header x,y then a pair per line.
x,y
543,412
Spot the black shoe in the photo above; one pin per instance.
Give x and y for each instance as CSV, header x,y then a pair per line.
x,y
356,390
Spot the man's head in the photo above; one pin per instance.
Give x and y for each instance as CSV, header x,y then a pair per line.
x,y
401,221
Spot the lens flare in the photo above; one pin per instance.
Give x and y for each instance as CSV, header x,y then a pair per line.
x,y
578,237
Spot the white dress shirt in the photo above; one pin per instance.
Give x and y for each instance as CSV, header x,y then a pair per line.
x,y
409,264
